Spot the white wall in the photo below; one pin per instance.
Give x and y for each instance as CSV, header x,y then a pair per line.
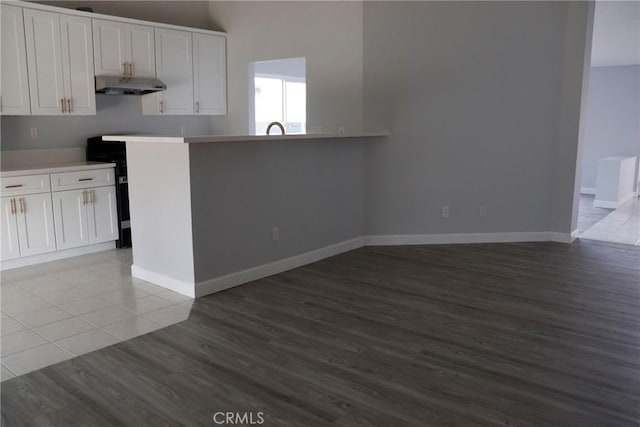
x,y
612,126
328,34
473,94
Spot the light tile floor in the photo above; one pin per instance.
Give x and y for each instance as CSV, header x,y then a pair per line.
x,y
55,311
620,226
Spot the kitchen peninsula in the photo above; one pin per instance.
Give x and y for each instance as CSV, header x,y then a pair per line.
x,y
212,212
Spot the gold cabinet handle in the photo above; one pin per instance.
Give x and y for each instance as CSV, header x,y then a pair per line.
x,y
85,179
12,206
124,69
14,186
62,105
83,199
131,69
162,106
69,105
90,193
22,206
198,107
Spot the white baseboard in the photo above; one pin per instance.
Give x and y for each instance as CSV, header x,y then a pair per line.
x,y
613,204
254,273
175,285
564,237
587,190
55,256
234,279
456,238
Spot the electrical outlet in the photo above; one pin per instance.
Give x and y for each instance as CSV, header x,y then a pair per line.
x,y
275,234
445,212
483,211
34,133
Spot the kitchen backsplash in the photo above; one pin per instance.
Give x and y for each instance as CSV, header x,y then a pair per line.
x,y
115,114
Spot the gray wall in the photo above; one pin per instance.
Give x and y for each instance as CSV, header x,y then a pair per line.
x,y
115,114
328,34
613,117
472,94
313,191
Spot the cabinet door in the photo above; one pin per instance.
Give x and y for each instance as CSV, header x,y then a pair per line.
x,y
44,56
174,66
209,73
70,214
109,47
102,218
77,65
35,224
141,50
8,229
14,81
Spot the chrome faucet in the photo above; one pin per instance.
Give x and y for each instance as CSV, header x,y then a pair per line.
x,y
272,124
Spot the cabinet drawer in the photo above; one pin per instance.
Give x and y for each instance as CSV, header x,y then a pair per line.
x,y
82,179
27,184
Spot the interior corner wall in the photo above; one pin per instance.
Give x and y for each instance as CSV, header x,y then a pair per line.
x,y
470,92
328,34
570,116
612,123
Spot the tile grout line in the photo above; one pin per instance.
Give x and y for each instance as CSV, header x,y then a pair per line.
x,y
94,327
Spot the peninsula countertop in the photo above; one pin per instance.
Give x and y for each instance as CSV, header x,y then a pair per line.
x,y
236,138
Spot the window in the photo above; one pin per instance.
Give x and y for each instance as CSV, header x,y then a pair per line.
x,y
279,94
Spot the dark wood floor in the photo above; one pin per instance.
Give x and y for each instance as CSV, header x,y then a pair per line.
x,y
538,334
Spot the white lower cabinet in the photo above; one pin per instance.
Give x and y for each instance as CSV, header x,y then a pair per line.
x,y
9,230
27,226
102,217
84,217
70,214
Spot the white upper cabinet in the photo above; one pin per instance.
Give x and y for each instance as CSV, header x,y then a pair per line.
x,y
60,58
209,74
193,66
174,66
142,50
44,53
13,81
77,65
50,60
109,50
123,49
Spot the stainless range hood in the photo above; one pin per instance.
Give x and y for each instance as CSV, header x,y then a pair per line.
x,y
118,85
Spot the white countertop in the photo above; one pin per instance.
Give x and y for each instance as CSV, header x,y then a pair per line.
x,y
7,171
235,138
